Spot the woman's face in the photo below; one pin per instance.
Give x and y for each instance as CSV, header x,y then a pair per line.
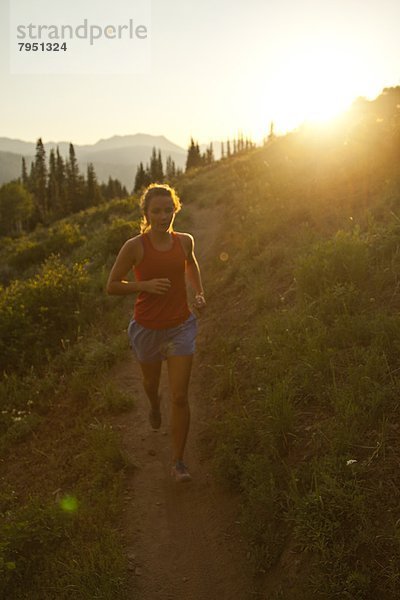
x,y
161,213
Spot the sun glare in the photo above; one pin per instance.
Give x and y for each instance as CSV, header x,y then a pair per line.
x,y
313,84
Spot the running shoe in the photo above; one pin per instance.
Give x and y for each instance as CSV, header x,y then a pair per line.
x,y
180,473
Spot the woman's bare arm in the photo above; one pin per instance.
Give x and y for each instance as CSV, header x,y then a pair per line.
x,y
193,275
126,259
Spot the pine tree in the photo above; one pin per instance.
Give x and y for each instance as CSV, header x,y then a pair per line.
x,y
52,185
75,182
93,195
170,172
113,189
71,172
271,135
156,167
118,188
63,207
24,174
147,175
160,174
190,159
200,157
240,142
194,158
222,150
153,165
209,155
40,182
140,178
228,148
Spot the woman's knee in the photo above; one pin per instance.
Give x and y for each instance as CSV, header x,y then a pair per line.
x,y
180,400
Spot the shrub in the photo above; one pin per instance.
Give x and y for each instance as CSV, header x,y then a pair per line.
x,y
35,314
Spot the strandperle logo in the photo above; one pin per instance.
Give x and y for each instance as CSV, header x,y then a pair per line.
x,y
86,37
84,31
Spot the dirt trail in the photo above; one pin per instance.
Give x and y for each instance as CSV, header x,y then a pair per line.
x,y
182,540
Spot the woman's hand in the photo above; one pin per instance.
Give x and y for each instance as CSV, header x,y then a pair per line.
x,y
199,302
155,286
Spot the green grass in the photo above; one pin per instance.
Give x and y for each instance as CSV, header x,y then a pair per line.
x,y
304,363
60,538
62,471
303,367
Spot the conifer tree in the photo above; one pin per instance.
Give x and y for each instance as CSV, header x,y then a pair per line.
x,y
52,185
156,168
240,142
271,135
209,155
40,181
198,153
153,165
93,195
222,150
190,159
140,178
194,158
228,148
170,170
160,175
147,175
64,207
75,182
113,189
24,174
118,188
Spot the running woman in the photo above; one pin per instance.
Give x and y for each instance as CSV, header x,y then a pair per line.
x,y
163,327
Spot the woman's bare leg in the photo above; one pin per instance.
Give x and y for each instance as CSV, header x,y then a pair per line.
x,y
179,369
151,380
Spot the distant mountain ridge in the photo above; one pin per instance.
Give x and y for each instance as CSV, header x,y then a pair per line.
x,y
10,166
116,157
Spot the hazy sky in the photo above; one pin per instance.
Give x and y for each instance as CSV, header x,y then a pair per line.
x,y
217,66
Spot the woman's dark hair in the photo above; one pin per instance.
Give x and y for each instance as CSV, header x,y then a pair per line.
x,y
153,190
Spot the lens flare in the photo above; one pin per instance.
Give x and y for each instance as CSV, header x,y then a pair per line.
x,y
69,504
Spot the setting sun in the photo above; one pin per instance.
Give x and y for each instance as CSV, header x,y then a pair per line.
x,y
312,83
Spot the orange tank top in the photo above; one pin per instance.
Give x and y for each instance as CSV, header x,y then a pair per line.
x,y
161,311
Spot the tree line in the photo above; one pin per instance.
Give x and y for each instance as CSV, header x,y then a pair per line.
x,y
154,171
51,190
56,188
197,159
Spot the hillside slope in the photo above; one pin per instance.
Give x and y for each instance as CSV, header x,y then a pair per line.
x,y
304,355
295,391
